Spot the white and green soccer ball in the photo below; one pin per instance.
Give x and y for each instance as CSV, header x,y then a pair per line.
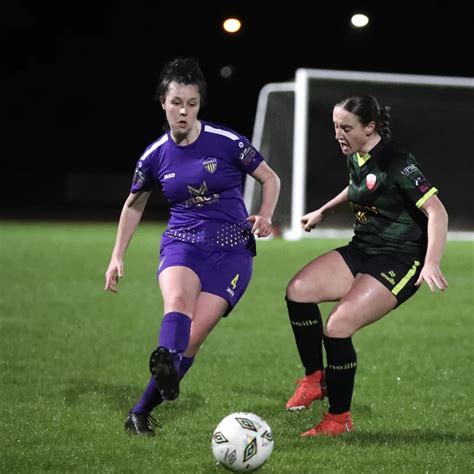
x,y
242,442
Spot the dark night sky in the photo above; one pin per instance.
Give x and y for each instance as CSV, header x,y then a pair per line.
x,y
80,76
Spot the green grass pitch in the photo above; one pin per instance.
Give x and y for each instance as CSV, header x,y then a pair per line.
x,y
74,360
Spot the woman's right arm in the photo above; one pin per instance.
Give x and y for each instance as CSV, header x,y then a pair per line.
x,y
131,215
309,221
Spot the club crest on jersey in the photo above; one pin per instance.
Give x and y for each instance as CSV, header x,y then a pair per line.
x,y
370,181
210,164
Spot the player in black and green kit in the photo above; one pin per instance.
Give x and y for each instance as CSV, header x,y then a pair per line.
x,y
399,236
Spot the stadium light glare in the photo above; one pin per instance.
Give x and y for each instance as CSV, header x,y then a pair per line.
x,y
360,20
231,25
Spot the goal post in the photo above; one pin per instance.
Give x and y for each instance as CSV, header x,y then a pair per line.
x,y
432,116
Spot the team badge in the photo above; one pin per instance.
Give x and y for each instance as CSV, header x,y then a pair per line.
x,y
370,181
210,164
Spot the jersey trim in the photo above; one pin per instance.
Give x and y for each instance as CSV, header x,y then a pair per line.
x,y
362,159
155,145
424,198
401,284
219,131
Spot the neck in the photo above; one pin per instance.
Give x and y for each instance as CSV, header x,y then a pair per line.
x,y
188,138
372,142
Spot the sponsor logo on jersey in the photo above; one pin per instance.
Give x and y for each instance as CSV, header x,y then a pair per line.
x,y
138,179
210,164
199,196
169,175
362,212
421,184
409,169
370,181
247,154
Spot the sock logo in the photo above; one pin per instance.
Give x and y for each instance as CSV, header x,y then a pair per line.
x,y
346,366
308,322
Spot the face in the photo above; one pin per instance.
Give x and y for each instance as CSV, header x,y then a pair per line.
x,y
181,105
353,137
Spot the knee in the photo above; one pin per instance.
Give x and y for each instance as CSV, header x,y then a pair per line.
x,y
179,301
301,291
295,290
339,325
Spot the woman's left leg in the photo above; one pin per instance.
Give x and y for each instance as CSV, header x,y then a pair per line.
x,y
366,302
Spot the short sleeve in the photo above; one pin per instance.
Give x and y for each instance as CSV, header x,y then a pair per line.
x,y
410,179
143,177
247,158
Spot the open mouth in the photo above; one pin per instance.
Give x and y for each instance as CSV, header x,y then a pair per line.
x,y
344,147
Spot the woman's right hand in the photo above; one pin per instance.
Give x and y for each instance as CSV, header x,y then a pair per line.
x,y
112,275
309,221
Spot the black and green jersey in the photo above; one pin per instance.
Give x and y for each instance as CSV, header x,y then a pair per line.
x,y
386,190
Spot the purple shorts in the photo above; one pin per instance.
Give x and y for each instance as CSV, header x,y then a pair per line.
x,y
225,274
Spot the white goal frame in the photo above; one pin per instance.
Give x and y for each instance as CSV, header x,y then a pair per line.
x,y
300,87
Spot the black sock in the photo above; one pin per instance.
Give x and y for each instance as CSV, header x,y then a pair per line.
x,y
307,326
340,373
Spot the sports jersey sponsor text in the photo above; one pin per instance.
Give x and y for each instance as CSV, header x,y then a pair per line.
x,y
199,197
362,212
247,154
409,169
169,175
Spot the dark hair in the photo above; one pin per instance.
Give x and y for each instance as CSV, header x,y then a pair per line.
x,y
369,110
182,71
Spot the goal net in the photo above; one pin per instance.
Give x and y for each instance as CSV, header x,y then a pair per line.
x,y
431,116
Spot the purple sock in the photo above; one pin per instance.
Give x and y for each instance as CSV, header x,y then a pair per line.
x,y
174,334
186,363
151,397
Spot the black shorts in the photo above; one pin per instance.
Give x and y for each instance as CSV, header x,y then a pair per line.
x,y
398,273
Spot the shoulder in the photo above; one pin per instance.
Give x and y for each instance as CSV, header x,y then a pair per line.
x,y
395,158
154,147
220,132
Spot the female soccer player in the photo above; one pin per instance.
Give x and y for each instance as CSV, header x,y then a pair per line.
x,y
207,249
399,235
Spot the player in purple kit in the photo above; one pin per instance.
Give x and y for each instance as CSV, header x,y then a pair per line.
x,y
207,249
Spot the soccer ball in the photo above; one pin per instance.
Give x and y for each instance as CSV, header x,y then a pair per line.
x,y
242,442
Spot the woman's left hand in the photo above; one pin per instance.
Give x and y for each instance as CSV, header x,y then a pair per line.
x,y
262,226
434,278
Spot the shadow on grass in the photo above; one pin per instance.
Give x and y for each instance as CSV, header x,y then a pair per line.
x,y
406,437
123,397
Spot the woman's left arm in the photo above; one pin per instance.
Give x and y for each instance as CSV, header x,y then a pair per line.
x,y
437,234
262,221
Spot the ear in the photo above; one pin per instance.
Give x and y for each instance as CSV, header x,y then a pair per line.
x,y
370,128
162,102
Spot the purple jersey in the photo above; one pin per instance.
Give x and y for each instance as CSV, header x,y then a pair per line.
x,y
203,184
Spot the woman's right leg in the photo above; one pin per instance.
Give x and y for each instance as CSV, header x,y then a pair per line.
x,y
180,288
326,278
